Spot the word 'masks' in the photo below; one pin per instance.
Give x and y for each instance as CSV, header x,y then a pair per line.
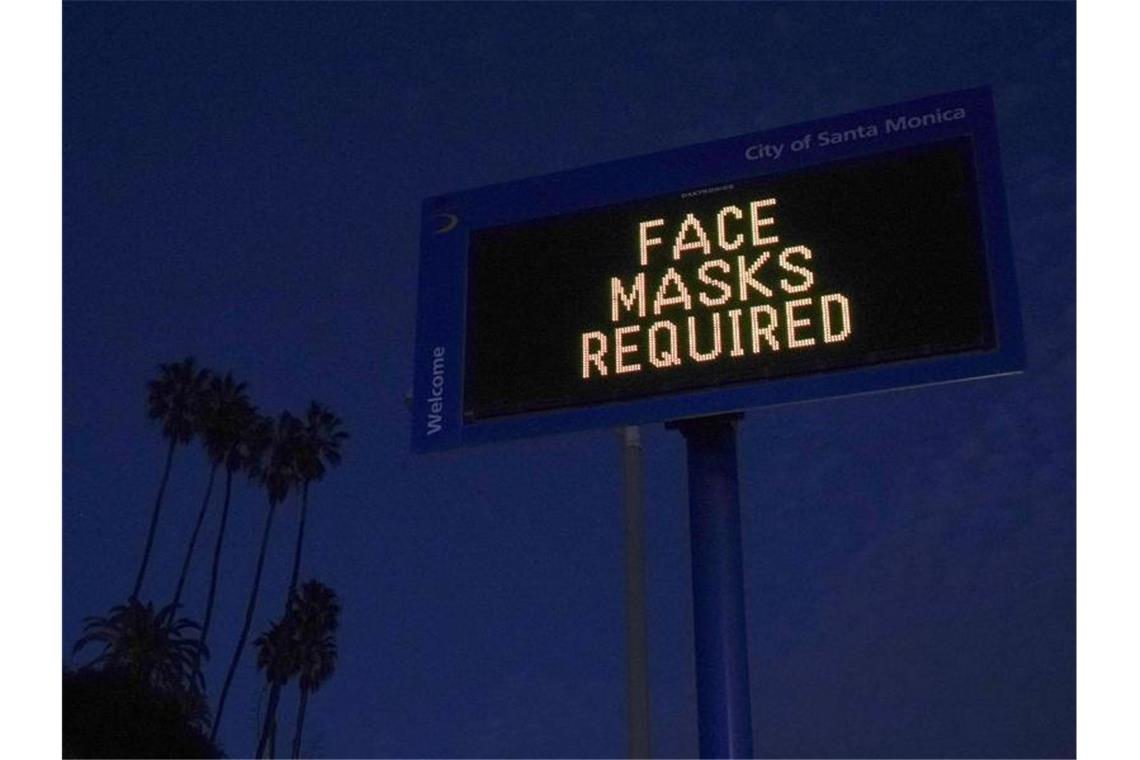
x,y
748,298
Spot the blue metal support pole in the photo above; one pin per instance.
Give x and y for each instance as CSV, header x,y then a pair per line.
x,y
720,632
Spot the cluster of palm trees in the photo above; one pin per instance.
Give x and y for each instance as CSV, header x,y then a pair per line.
x,y
301,645
284,456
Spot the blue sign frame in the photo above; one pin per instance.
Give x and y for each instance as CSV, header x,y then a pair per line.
x,y
448,220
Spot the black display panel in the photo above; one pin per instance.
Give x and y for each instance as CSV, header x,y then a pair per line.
x,y
841,265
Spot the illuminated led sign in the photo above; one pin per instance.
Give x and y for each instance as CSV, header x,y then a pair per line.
x,y
859,253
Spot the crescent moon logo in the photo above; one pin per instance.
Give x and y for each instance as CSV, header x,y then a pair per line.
x,y
450,222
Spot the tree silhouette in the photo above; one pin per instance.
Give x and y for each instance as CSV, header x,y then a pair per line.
x,y
173,400
278,475
316,448
303,644
277,655
151,662
154,649
319,448
247,436
316,614
222,401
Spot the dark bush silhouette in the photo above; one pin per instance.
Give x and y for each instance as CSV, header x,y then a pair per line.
x,y
108,713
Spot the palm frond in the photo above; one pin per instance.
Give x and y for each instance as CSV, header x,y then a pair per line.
x,y
316,611
277,651
154,647
174,398
321,442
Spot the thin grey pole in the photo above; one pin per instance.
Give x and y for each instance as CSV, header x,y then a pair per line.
x,y
637,640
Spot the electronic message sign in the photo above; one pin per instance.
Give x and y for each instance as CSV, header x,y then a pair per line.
x,y
859,253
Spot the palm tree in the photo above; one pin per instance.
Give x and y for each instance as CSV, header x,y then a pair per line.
x,y
153,649
316,612
277,655
221,410
173,400
277,475
319,449
248,436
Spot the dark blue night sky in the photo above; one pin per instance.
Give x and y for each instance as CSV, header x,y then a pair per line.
x,y
242,182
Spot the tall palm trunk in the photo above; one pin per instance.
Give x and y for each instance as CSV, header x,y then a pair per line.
x,y
300,723
194,538
217,558
269,730
270,727
154,520
240,649
300,542
274,695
